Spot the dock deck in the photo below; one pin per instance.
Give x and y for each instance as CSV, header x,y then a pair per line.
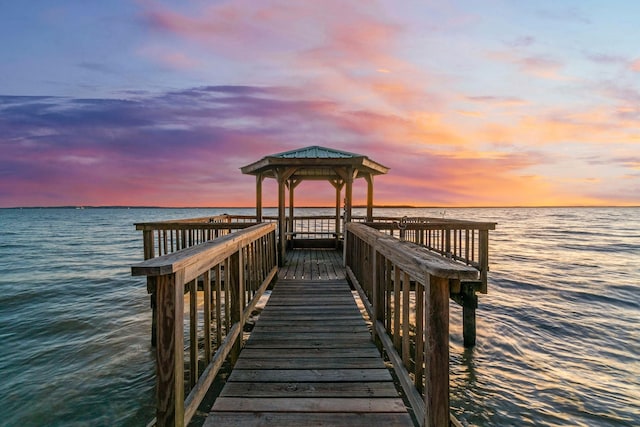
x,y
310,359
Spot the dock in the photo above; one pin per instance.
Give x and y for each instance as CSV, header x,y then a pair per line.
x,y
353,300
310,360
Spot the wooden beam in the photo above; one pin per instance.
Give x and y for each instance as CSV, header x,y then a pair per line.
x,y
170,350
436,397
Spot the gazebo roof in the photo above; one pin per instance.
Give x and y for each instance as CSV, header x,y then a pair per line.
x,y
315,162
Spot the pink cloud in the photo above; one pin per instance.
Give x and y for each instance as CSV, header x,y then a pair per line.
x,y
541,66
170,58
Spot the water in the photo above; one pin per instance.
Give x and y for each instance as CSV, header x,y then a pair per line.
x,y
558,333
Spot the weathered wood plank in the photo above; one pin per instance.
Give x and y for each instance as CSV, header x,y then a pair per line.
x,y
303,404
316,264
322,327
306,344
315,336
309,375
310,363
317,390
328,315
256,419
291,354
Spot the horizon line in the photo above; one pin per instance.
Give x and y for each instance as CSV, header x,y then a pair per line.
x,y
398,206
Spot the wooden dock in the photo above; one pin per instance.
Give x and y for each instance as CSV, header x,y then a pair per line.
x,y
310,359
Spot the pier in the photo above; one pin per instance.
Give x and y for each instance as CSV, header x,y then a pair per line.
x,y
352,300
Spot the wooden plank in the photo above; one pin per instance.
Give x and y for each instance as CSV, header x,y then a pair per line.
x,y
310,335
319,301
321,313
317,390
310,363
328,315
321,327
303,404
310,375
350,321
280,419
291,354
307,344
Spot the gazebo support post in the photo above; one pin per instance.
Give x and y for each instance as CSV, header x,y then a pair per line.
x,y
348,196
292,184
369,179
337,184
259,179
282,175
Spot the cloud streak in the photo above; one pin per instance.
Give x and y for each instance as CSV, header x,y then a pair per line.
x,y
184,148
465,110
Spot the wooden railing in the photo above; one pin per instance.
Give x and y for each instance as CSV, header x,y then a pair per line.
x,y
314,227
164,237
405,289
240,266
464,241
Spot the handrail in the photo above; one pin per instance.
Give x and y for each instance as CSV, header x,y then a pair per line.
x,y
164,237
241,266
384,269
460,240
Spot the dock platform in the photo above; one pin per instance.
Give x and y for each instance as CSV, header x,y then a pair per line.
x,y
310,359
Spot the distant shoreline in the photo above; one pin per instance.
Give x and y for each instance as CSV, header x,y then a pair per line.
x,y
324,207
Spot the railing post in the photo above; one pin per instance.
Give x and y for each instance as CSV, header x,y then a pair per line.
x,y
149,252
170,350
193,332
206,290
147,241
236,279
483,258
436,396
377,286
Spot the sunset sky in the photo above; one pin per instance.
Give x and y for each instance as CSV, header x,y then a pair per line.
x,y
469,103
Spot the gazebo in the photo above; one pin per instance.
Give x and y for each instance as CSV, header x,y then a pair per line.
x,y
290,168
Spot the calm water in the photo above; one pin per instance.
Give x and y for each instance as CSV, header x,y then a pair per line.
x,y
558,333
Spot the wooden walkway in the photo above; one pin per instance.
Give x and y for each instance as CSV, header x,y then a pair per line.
x,y
310,359
312,264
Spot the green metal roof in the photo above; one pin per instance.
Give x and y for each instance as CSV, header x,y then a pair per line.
x,y
315,162
316,152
